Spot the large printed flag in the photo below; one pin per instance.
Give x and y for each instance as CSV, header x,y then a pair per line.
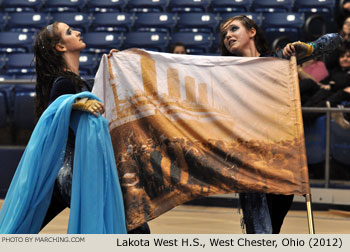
x,y
186,126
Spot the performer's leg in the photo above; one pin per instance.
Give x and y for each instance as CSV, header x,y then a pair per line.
x,y
56,206
143,229
63,184
278,206
256,214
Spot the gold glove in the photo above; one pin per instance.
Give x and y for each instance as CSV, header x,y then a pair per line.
x,y
302,49
92,106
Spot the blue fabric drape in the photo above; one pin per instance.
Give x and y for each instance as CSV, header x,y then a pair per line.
x,y
96,200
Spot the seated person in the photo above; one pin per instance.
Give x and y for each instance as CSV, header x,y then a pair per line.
x,y
335,89
178,48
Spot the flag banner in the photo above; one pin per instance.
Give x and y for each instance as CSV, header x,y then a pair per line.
x,y
188,126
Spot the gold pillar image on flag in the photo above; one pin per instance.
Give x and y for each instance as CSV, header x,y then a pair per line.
x,y
203,93
184,127
173,83
149,76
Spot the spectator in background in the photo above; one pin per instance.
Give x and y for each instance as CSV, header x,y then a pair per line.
x,y
178,48
331,60
341,12
335,89
346,5
342,16
311,73
345,29
315,68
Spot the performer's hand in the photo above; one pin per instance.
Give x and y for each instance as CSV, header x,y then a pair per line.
x,y
326,87
111,52
298,49
92,106
347,90
289,50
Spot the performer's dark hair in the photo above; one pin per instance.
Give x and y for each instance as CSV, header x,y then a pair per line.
x,y
49,64
259,39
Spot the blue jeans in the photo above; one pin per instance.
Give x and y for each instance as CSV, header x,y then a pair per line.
x,y
256,214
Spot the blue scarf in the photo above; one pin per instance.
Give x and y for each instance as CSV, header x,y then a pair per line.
x,y
96,199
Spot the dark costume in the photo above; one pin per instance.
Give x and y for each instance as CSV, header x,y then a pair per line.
x,y
63,184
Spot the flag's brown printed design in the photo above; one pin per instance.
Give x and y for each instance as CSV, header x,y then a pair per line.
x,y
186,126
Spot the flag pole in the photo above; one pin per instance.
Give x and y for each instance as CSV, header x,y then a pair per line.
x,y
310,217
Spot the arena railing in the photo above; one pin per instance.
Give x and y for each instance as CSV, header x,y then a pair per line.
x,y
17,81
328,112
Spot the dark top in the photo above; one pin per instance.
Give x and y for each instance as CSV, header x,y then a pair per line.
x,y
341,78
63,184
63,85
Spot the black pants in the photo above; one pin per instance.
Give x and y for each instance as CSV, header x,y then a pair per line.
x,y
60,199
264,213
278,206
58,204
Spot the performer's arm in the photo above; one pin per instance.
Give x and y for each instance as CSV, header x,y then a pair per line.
x,y
299,49
306,51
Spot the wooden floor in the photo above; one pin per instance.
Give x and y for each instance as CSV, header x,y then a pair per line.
x,y
188,219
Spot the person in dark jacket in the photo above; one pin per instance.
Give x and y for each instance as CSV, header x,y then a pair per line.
x,y
334,90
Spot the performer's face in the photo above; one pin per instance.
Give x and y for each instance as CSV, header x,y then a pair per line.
x,y
344,60
237,37
70,39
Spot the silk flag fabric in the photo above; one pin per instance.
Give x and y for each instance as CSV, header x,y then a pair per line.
x,y
185,126
96,204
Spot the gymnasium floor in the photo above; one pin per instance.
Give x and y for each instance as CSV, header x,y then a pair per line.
x,y
187,219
